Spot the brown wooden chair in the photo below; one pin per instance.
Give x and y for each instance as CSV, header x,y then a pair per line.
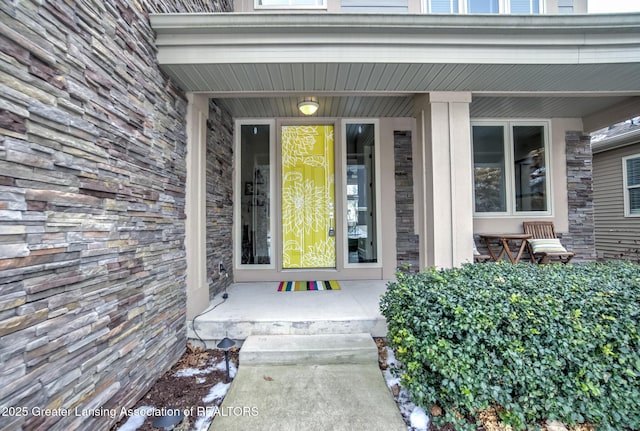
x,y
479,257
544,244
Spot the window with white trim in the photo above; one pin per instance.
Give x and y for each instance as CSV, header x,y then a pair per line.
x,y
291,4
362,194
442,6
631,176
524,6
510,168
484,6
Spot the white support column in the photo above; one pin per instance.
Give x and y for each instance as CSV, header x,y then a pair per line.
x,y
445,213
195,242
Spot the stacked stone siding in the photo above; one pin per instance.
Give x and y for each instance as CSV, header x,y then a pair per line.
x,y
219,199
581,236
92,199
407,246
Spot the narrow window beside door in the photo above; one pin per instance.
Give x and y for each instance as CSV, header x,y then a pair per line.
x,y
255,196
361,194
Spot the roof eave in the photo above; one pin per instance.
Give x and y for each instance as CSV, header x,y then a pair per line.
x,y
618,141
357,23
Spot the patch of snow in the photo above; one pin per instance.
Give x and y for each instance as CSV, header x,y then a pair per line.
x,y
405,404
414,416
391,358
203,423
201,380
419,419
390,378
389,375
222,366
190,372
135,421
217,392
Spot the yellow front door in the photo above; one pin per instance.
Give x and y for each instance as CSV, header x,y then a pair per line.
x,y
308,197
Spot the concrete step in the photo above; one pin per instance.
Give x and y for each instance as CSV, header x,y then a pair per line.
x,y
215,328
324,349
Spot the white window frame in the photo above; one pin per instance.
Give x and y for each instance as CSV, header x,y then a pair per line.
x,y
429,11
540,4
291,4
238,190
343,190
509,173
626,187
504,7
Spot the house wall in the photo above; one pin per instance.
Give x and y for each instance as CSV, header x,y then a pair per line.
x,y
219,192
392,6
579,6
92,201
407,241
617,236
581,235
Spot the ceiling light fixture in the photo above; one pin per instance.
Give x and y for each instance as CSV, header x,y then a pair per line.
x,y
308,107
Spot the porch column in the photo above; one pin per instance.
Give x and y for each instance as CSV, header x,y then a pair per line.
x,y
445,207
195,207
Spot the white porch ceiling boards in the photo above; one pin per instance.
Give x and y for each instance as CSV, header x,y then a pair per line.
x,y
481,106
330,107
257,64
403,78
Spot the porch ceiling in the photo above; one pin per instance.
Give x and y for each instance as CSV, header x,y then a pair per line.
x,y
402,106
405,78
259,65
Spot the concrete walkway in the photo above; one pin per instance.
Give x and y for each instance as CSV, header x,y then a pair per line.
x,y
309,383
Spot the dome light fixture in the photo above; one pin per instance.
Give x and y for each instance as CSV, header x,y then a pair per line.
x,y
308,107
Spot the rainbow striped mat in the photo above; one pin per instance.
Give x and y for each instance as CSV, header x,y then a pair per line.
x,y
296,286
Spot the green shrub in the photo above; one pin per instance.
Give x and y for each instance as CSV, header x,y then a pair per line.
x,y
544,342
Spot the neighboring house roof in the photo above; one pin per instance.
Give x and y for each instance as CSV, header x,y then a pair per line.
x,y
617,136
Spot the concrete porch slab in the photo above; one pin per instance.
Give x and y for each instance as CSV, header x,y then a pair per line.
x,y
259,309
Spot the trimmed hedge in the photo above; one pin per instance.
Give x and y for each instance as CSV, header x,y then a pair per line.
x,y
543,342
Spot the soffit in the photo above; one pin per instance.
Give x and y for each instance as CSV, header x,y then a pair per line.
x,y
403,78
259,65
402,106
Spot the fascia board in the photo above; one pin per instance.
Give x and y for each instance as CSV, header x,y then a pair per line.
x,y
375,23
297,38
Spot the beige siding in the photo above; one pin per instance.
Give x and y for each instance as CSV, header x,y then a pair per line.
x,y
617,236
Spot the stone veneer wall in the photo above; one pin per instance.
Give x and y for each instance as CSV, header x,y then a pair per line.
x,y
407,246
92,195
581,236
219,198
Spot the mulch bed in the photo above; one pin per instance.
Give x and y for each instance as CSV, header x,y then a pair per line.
x,y
170,391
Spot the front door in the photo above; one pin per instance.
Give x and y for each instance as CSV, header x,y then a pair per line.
x,y
308,197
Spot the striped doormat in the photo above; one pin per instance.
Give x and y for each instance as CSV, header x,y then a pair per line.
x,y
295,286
